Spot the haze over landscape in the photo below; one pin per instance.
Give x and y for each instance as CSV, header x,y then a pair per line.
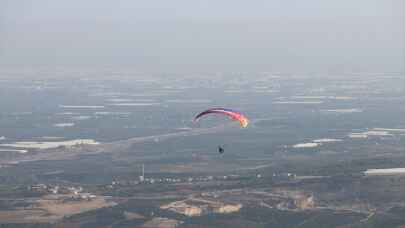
x,y
206,36
98,98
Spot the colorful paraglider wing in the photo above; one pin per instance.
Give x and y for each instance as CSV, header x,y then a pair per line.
x,y
228,112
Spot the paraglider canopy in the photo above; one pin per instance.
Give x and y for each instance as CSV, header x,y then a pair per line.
x,y
243,121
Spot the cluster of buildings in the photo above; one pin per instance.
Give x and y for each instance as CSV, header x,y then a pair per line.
x,y
75,192
160,180
143,180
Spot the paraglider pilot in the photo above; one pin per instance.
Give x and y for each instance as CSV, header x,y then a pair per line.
x,y
221,150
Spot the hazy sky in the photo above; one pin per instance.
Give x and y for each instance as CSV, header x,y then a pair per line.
x,y
206,35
